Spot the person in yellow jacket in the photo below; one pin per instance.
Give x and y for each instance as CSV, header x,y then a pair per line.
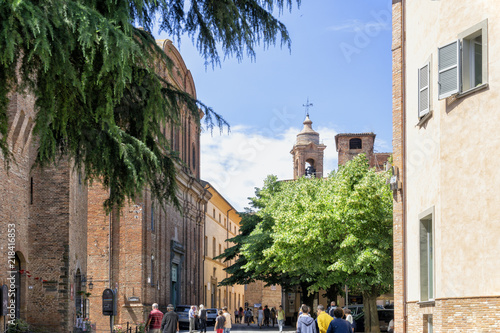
x,y
323,319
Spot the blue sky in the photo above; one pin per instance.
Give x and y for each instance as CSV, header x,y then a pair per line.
x,y
340,59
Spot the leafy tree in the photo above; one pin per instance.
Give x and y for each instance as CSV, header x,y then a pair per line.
x,y
92,73
254,237
336,230
322,234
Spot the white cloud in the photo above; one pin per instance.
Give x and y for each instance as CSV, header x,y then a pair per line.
x,y
237,162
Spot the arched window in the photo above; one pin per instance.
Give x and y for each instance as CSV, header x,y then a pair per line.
x,y
355,143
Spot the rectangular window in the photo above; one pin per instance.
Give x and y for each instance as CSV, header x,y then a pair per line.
x,y
213,248
205,253
463,64
214,213
426,256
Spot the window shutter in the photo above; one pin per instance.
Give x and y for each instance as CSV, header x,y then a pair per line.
x,y
423,90
449,69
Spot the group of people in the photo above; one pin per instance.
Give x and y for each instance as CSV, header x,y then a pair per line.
x,y
266,316
223,322
169,322
163,323
329,321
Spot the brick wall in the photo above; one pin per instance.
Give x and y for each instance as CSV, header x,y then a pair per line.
x,y
15,188
398,146
142,253
477,315
256,293
49,210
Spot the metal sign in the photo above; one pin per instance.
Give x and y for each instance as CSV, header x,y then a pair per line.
x,y
174,273
109,302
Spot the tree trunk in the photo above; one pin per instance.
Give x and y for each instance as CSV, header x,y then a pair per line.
x,y
371,313
331,293
306,298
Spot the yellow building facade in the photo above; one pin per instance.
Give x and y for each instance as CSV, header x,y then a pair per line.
x,y
222,222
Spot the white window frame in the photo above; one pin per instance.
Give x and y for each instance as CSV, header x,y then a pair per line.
x,y
422,90
427,215
466,61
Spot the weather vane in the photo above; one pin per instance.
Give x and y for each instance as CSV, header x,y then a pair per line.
x,y
307,106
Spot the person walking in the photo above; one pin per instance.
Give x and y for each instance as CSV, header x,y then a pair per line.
x,y
273,315
247,316
241,314
192,319
202,315
281,318
323,319
236,316
305,323
339,325
260,316
219,322
170,322
348,317
228,321
267,315
301,313
331,308
154,320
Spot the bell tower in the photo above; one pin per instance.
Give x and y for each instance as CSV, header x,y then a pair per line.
x,y
307,153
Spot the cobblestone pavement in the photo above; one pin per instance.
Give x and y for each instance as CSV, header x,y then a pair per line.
x,y
240,328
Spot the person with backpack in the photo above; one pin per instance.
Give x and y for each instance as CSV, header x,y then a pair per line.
x,y
202,315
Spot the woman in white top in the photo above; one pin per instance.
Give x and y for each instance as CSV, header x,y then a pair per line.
x,y
348,317
261,316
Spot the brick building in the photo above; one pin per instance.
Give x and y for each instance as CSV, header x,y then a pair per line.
x,y
222,222
445,139
152,254
351,144
47,209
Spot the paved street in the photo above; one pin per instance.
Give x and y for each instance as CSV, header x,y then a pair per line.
x,y
239,328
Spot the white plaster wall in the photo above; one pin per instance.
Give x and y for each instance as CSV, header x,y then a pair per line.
x,y
452,161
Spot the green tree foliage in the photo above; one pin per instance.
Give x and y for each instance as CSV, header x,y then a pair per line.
x,y
323,233
254,237
98,97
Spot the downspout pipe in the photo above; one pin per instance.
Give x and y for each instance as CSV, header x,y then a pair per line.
x,y
227,237
203,220
403,148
